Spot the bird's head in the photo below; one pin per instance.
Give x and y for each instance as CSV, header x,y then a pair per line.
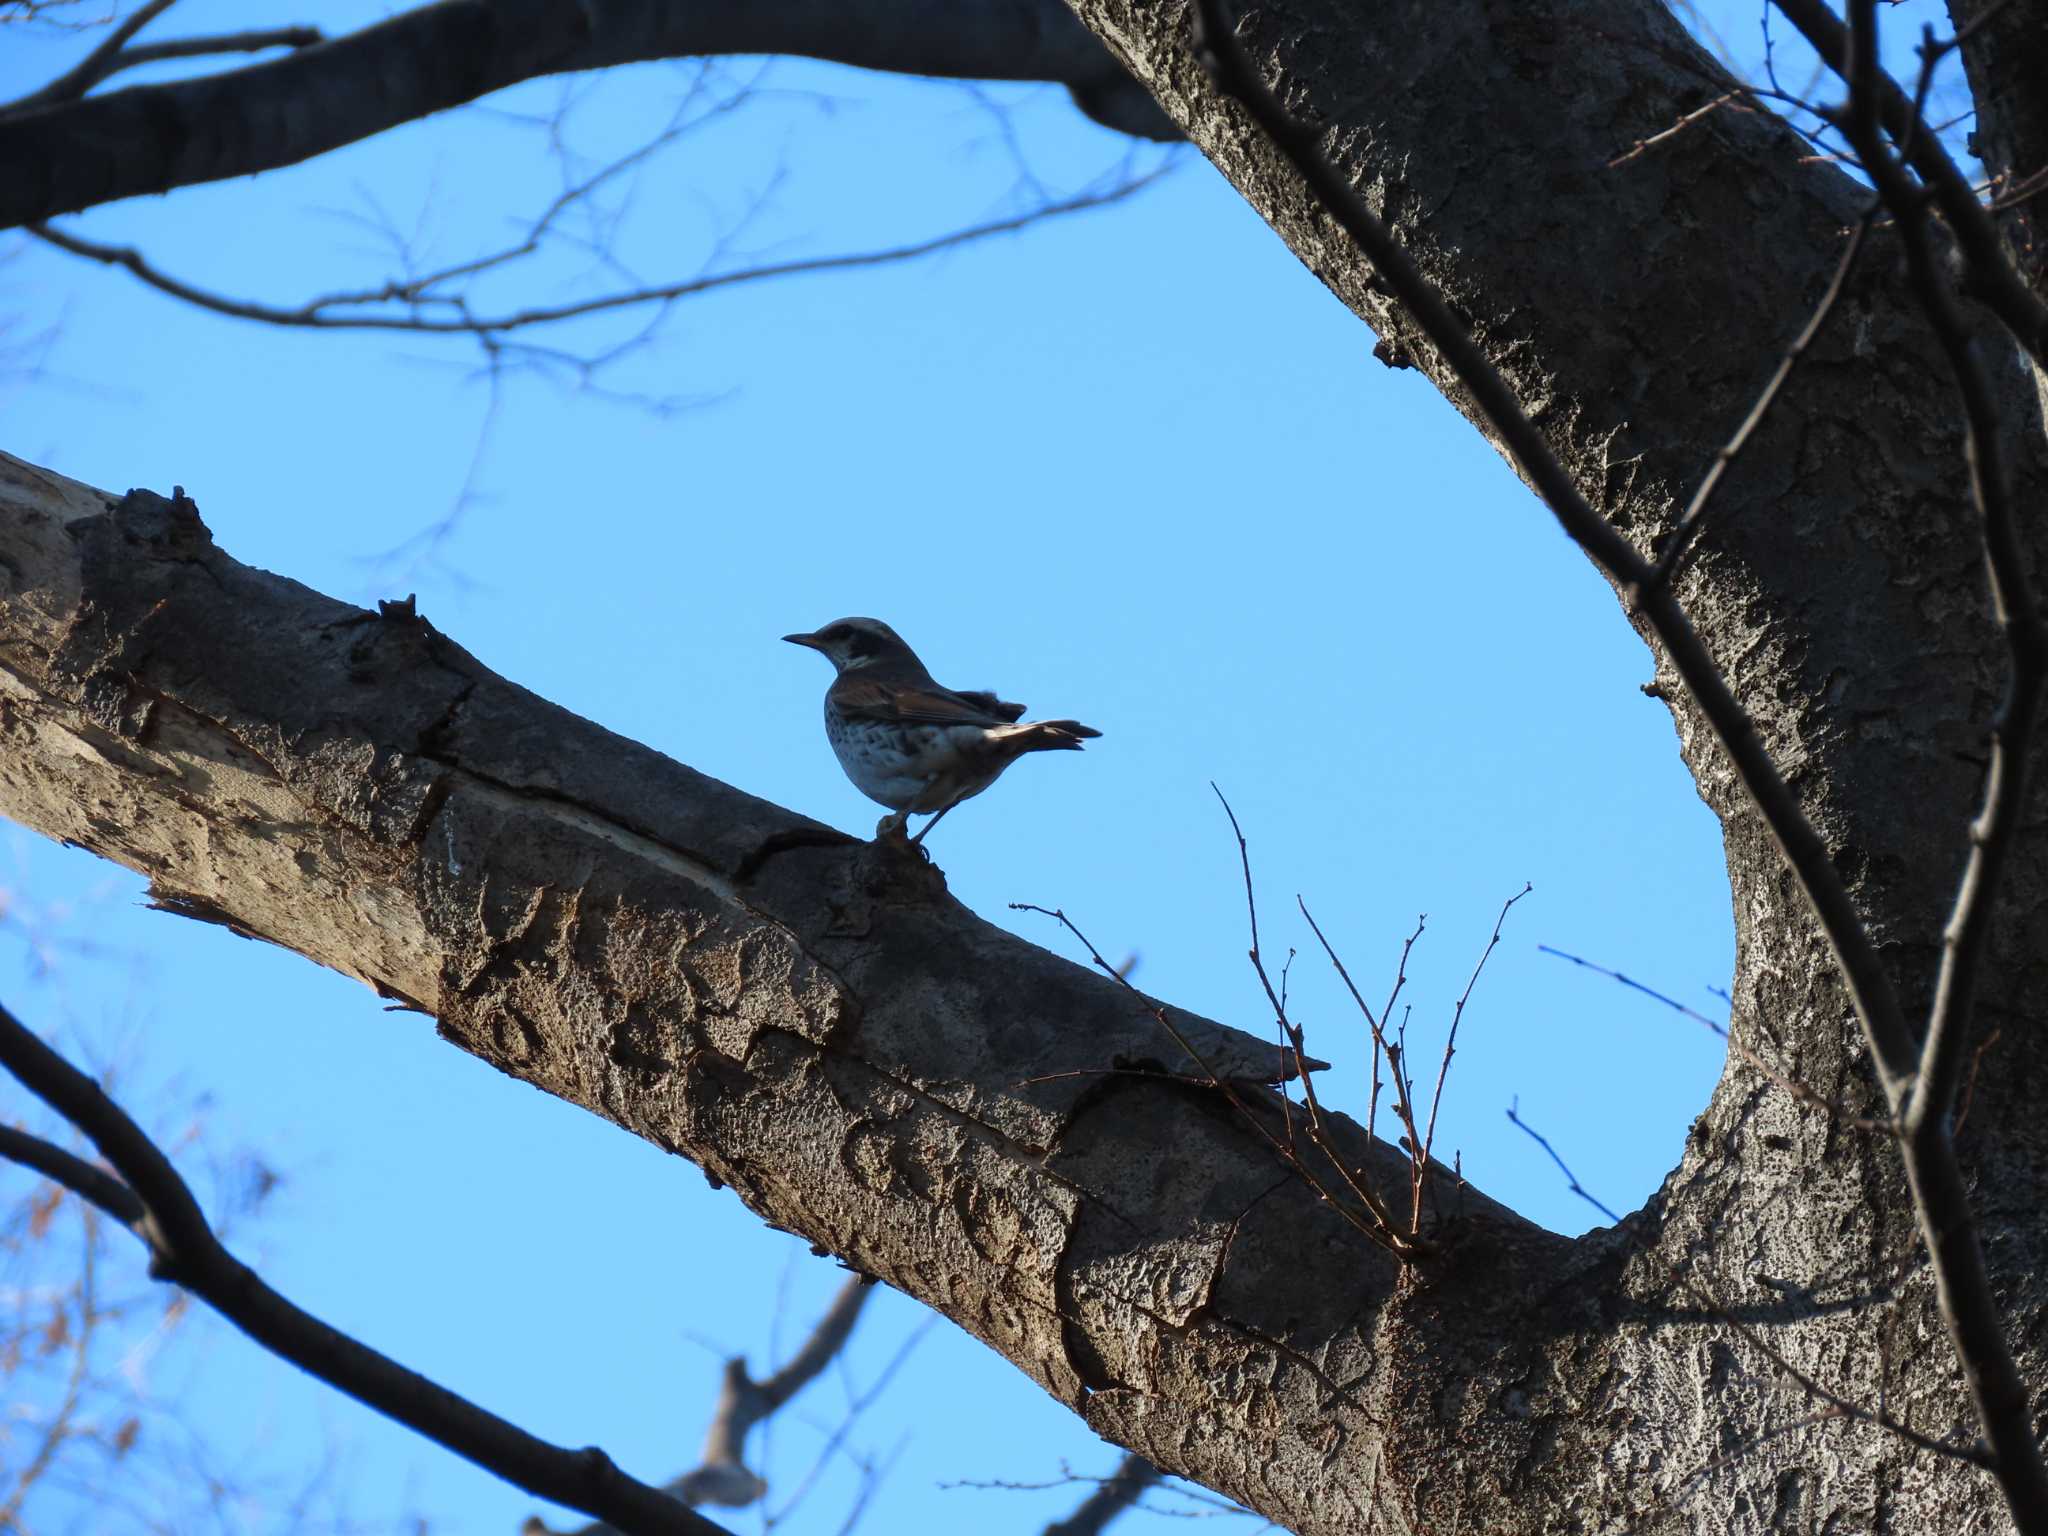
x,y
850,643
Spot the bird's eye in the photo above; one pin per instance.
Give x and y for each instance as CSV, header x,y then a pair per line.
x,y
860,643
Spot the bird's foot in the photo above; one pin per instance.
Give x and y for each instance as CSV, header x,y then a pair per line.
x,y
893,834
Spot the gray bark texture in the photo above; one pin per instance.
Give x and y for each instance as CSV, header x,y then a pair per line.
x,y
819,1026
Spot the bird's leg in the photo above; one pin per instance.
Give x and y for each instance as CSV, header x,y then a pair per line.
x,y
933,822
893,827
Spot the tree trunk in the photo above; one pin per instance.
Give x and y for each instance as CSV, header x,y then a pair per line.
x,y
1637,308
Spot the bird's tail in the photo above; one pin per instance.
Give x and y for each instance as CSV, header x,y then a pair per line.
x,y
1043,736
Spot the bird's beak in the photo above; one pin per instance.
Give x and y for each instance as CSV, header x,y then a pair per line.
x,y
809,640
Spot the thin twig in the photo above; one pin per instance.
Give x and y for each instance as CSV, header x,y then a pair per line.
x,y
1924,1108
1359,1185
95,66
1369,1224
1641,146
1805,1093
1571,1179
1991,276
1869,984
1696,510
1112,1496
315,313
1451,1039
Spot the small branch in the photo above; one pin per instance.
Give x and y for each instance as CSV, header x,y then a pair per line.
x,y
318,313
89,1182
1457,1014
255,40
1112,1496
1991,277
95,66
1696,510
1925,1106
1697,114
1369,1223
185,1251
1802,1092
722,1476
1404,1103
1571,1179
1361,1189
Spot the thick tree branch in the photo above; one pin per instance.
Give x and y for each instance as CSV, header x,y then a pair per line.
x,y
158,1206
987,1127
67,156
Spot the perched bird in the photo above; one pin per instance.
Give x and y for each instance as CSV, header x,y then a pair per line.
x,y
909,743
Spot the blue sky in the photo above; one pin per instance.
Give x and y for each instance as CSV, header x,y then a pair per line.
x,y
1135,466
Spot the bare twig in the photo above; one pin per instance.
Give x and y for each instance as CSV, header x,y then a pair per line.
x,y
185,1251
722,1476
1368,1222
96,65
335,311
1991,275
1112,1496
1451,1040
1869,985
1689,520
1925,1107
1571,1179
1397,1238
1698,113
1805,1093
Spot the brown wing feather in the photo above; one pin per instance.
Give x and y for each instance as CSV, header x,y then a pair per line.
x,y
860,698
982,698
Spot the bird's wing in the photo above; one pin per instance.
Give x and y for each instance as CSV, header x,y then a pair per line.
x,y
861,698
982,698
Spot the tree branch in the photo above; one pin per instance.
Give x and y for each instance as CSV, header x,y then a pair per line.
x,y
96,65
987,1127
1112,1496
68,156
158,1206
1992,277
344,311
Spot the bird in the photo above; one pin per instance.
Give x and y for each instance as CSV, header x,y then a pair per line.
x,y
910,744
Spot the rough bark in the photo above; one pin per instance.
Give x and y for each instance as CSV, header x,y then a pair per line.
x,y
810,1019
60,158
1637,308
830,1035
